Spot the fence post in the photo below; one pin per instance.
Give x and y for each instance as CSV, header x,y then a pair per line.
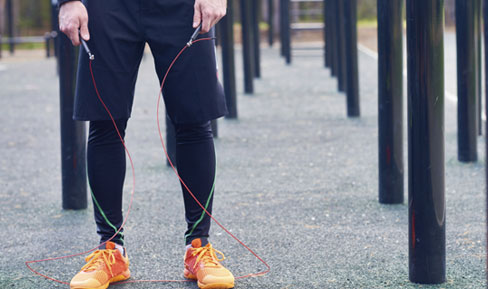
x,y
426,210
326,34
485,38
255,15
467,75
390,101
341,45
351,36
54,25
479,93
247,46
286,37
270,23
228,69
332,22
214,126
10,26
73,133
47,38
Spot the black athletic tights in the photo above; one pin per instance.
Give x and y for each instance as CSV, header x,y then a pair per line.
x,y
195,160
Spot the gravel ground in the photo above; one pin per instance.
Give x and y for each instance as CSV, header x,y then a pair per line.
x,y
297,181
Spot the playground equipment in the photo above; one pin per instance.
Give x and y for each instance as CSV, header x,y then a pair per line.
x,y
425,30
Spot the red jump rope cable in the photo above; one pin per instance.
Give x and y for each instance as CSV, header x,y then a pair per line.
x,y
268,268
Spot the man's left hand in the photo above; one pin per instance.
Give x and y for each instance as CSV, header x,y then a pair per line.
x,y
208,13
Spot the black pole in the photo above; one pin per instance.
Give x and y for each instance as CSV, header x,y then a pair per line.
x,y
467,74
351,36
228,64
326,35
341,45
215,130
485,23
332,22
255,15
282,28
390,101
426,203
478,64
54,24
170,141
10,26
47,39
247,46
270,23
217,35
286,37
73,133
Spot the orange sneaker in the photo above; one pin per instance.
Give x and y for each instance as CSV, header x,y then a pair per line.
x,y
202,264
104,266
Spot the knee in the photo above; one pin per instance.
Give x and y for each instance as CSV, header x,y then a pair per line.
x,y
192,133
103,131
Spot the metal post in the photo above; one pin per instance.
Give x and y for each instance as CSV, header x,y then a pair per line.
x,y
341,45
332,7
390,101
73,133
426,203
282,28
326,35
54,24
10,26
47,38
351,36
478,64
286,37
467,74
247,46
270,23
255,15
215,130
228,64
217,35
170,141
485,23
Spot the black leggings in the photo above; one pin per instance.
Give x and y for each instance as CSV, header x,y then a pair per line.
x,y
106,161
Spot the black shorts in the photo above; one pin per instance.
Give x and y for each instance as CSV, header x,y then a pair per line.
x,y
119,31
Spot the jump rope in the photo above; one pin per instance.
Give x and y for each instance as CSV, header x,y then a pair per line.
x,y
91,57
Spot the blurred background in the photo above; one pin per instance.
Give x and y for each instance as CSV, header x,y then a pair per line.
x,y
31,19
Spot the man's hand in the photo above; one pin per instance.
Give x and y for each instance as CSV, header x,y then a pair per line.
x,y
208,13
73,17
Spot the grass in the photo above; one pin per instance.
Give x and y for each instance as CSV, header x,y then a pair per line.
x,y
368,23
24,46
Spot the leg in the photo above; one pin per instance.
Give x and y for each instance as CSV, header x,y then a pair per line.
x,y
195,158
106,174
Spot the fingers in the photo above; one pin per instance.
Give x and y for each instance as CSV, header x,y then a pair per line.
x,y
197,17
210,18
73,20
71,30
208,13
85,34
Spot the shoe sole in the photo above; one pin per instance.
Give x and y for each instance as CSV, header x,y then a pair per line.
x,y
122,277
189,275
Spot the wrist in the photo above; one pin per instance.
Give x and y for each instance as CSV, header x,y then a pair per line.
x,y
61,2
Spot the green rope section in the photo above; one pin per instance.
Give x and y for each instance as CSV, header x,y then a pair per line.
x,y
206,206
106,219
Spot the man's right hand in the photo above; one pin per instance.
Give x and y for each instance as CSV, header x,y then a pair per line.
x,y
73,17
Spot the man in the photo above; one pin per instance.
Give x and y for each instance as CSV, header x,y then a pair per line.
x,y
118,31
